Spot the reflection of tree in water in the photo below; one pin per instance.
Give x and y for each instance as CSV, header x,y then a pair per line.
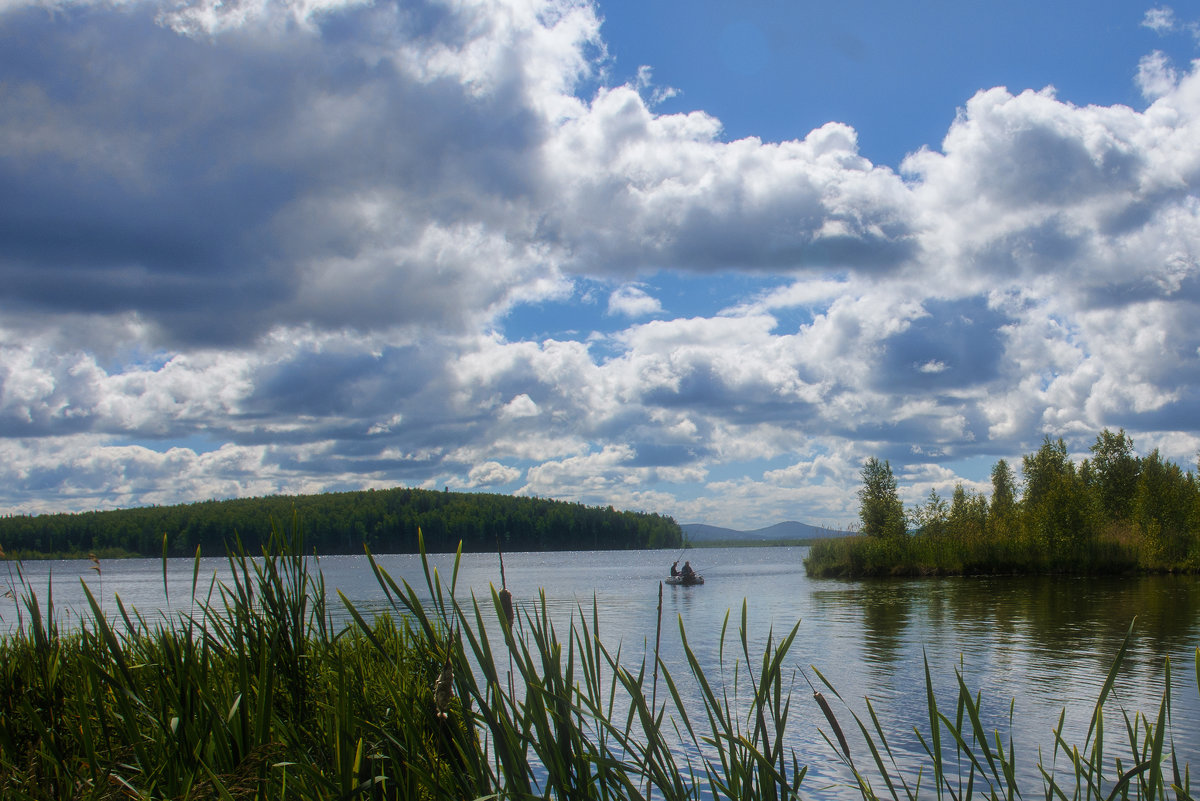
x,y
1040,629
887,611
1071,617
1044,633
1043,643
1167,609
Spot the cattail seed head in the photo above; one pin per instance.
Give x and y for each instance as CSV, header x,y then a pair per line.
x,y
506,603
443,689
829,716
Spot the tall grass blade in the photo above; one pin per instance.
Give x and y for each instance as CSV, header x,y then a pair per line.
x,y
1109,680
934,729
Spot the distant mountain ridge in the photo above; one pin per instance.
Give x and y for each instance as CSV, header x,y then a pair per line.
x,y
788,530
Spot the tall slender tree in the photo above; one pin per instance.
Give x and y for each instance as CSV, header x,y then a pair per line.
x,y
880,508
1004,490
1044,468
968,514
1114,470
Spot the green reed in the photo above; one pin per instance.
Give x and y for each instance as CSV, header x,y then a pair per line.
x,y
251,693
966,761
923,555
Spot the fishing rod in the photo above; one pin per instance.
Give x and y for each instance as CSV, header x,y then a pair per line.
x,y
686,545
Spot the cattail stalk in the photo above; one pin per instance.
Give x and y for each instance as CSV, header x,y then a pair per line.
x,y
506,603
654,685
443,687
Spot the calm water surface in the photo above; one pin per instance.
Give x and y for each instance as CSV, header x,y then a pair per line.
x,y
1046,642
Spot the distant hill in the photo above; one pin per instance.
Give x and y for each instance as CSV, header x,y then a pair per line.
x,y
789,530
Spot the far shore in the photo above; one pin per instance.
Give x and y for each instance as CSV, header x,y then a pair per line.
x,y
737,543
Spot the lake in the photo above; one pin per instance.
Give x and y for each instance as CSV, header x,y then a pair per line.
x,y
1046,642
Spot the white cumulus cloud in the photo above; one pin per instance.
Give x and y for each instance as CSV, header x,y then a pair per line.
x,y
632,301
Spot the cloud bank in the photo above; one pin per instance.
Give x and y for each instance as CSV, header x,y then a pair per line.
x,y
272,247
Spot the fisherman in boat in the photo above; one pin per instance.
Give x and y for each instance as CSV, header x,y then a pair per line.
x,y
674,570
687,572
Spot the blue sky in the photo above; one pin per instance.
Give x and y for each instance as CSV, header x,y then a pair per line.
x,y
696,258
895,72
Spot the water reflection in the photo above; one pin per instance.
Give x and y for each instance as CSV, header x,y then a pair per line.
x,y
886,612
1056,618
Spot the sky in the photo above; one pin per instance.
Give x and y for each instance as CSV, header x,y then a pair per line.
x,y
698,258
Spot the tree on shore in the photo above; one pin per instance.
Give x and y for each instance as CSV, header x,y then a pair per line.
x,y
1162,508
1058,508
968,514
881,511
930,520
1114,471
1002,509
1004,492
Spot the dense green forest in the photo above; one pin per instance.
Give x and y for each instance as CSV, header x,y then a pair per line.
x,y
386,521
1111,512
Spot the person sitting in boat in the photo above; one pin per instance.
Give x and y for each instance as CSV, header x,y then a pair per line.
x,y
687,571
674,570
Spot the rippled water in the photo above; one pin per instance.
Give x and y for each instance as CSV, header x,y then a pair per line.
x,y
1046,642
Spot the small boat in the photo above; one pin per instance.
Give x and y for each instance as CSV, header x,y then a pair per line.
x,y
685,581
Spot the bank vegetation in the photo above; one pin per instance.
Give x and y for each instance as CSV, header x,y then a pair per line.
x,y
1113,512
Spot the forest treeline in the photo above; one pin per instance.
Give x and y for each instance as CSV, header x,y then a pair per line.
x,y
386,521
1112,512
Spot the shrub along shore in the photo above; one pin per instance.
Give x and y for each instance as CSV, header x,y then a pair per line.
x,y
1114,512
252,694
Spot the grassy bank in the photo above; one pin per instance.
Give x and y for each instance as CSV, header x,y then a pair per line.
x,y
252,694
27,555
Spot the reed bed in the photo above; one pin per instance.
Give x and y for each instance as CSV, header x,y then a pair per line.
x,y
251,693
861,556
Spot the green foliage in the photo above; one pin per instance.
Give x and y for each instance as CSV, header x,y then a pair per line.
x,y
930,520
386,521
880,508
968,515
1044,469
1162,510
1115,469
1058,509
1003,506
1114,513
246,696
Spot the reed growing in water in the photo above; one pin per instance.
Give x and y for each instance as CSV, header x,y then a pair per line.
x,y
251,693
